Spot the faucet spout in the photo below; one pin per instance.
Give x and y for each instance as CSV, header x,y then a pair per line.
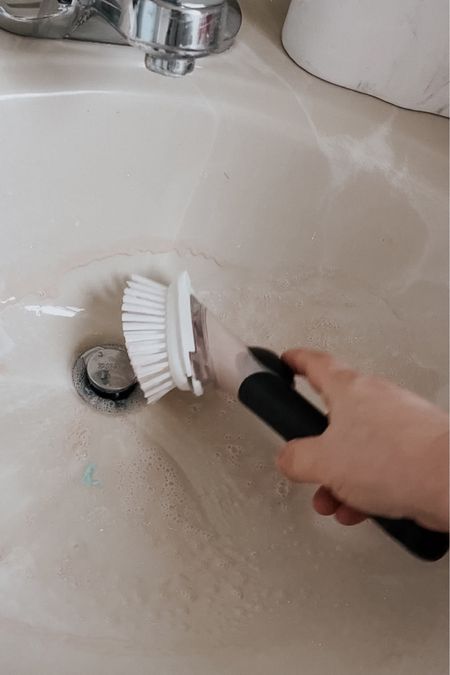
x,y
174,33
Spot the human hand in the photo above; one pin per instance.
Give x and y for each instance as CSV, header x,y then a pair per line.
x,y
385,451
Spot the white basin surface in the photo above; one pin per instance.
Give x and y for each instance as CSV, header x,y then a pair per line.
x,y
164,540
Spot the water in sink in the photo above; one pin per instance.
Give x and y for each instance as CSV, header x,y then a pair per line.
x,y
168,529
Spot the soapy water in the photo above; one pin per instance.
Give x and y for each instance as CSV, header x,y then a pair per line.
x,y
165,501
192,539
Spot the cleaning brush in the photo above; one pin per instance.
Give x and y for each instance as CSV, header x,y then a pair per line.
x,y
159,336
174,342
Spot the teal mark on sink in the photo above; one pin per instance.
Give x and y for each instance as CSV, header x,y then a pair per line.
x,y
88,476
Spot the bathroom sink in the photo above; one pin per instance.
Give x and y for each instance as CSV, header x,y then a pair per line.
x,y
162,539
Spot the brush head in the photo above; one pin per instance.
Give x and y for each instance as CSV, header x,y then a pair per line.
x,y
159,336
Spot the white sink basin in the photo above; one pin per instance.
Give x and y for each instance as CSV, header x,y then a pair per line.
x,y
164,541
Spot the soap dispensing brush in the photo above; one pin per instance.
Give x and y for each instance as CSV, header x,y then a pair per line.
x,y
174,342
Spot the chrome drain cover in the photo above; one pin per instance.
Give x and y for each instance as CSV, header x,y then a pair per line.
x,y
104,378
109,370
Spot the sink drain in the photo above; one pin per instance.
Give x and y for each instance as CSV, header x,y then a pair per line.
x,y
104,378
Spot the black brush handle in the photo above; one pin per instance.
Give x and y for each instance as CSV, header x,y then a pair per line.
x,y
271,396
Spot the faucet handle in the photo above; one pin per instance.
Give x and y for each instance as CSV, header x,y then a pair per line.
x,y
34,18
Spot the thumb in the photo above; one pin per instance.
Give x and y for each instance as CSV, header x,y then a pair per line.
x,y
303,461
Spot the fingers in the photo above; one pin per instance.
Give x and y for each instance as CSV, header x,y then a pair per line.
x,y
307,460
319,368
324,502
346,515
303,460
316,366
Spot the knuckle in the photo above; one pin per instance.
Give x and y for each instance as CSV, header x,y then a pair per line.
x,y
365,386
346,377
330,462
379,383
322,364
286,458
323,358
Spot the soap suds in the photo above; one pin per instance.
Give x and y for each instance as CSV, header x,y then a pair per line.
x,y
194,543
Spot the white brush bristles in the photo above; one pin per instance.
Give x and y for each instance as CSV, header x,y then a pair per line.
x,y
158,331
144,312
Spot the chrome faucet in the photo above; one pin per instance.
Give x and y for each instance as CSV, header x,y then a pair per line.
x,y
172,33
